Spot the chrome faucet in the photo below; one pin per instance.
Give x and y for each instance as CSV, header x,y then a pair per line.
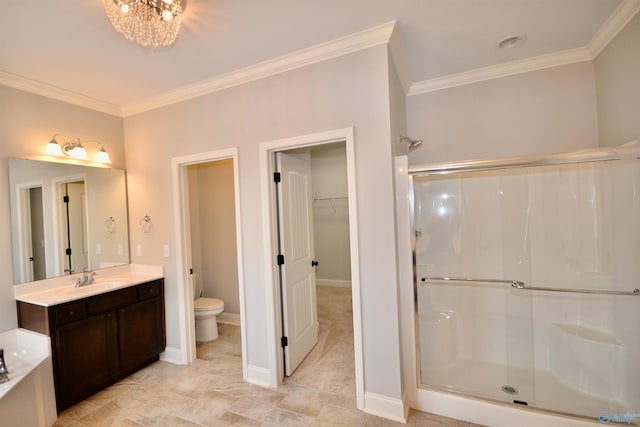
x,y
88,277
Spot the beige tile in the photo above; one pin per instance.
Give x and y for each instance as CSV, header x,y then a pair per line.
x,y
336,416
211,393
304,401
234,420
283,418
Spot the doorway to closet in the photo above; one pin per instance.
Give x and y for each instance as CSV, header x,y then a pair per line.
x,y
316,293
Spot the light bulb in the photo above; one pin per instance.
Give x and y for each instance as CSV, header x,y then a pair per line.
x,y
124,8
53,148
166,15
78,152
102,156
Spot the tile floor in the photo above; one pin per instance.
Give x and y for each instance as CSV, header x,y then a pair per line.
x,y
210,392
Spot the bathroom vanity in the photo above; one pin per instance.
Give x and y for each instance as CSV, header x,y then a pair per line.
x,y
100,332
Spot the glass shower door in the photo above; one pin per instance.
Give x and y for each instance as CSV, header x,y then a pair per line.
x,y
527,285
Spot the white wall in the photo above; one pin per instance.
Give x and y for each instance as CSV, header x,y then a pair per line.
x,y
331,217
27,124
546,111
343,92
214,250
618,86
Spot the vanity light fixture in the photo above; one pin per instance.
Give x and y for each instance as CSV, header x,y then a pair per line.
x,y
74,149
147,22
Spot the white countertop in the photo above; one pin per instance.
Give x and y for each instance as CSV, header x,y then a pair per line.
x,y
62,289
23,352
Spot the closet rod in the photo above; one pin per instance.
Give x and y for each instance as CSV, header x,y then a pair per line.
x,y
330,198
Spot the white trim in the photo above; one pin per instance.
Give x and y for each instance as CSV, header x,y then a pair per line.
x,y
172,355
321,52
258,376
502,70
266,149
229,318
333,283
185,298
488,413
386,407
53,92
616,22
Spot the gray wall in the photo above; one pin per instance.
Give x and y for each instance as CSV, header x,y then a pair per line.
x,y
331,217
546,111
338,93
27,124
618,86
213,232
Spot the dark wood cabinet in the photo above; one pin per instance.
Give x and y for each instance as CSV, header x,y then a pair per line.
x,y
99,340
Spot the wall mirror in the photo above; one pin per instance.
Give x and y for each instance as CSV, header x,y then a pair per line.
x,y
66,218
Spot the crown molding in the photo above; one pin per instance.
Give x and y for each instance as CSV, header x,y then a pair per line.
x,y
612,26
342,46
43,89
616,22
503,70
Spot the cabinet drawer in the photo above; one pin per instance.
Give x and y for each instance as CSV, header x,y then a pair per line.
x,y
149,290
110,300
70,312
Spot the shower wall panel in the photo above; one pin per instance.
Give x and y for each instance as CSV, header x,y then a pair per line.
x,y
570,226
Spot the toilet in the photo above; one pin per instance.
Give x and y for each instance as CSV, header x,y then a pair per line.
x,y
206,313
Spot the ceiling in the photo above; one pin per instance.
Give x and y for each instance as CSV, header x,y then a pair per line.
x,y
71,45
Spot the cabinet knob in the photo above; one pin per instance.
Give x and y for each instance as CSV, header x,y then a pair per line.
x,y
149,290
108,314
122,310
71,313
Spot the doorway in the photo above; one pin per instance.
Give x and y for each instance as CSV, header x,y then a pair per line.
x,y
72,210
192,175
274,221
31,240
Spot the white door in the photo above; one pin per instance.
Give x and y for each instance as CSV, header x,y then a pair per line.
x,y
298,287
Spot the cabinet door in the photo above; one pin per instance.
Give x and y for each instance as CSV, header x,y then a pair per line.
x,y
86,356
140,332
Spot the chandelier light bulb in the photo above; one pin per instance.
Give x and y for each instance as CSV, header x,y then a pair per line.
x,y
147,22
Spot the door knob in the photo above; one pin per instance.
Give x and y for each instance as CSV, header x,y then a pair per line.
x,y
314,263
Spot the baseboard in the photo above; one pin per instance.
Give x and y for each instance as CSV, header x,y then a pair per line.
x,y
386,407
258,376
229,318
172,355
334,283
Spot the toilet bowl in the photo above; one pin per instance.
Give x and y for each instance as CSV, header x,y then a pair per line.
x,y
206,313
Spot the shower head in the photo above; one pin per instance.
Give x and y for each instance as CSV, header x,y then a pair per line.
x,y
414,144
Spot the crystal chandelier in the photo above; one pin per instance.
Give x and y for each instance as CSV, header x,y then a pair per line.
x,y
147,22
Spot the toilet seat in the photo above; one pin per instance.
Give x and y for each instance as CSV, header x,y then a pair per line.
x,y
206,304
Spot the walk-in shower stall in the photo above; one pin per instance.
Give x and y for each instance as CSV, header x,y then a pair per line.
x,y
527,278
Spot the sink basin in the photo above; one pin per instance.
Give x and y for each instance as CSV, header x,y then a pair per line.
x,y
101,286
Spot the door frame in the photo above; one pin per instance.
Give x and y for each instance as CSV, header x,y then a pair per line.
x,y
183,247
24,227
58,216
267,150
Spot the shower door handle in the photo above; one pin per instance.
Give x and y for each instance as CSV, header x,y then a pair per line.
x,y
314,263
